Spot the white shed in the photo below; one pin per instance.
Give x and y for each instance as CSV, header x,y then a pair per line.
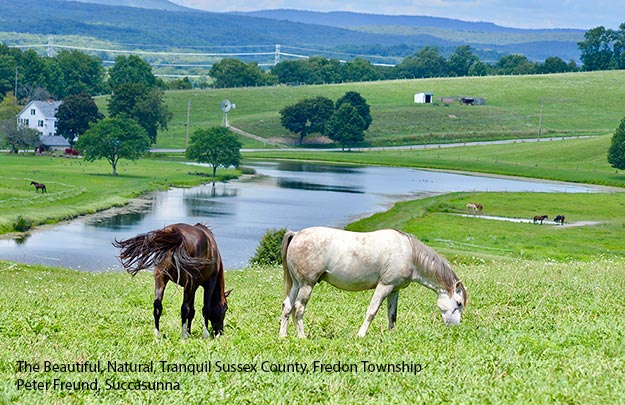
x,y
423,98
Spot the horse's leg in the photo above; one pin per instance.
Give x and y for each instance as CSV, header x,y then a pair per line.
x,y
299,308
391,301
160,283
381,292
287,308
187,310
209,288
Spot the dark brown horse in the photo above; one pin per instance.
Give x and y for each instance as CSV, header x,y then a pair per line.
x,y
188,256
39,186
540,218
559,219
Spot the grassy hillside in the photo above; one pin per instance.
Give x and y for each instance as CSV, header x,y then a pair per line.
x,y
573,104
533,331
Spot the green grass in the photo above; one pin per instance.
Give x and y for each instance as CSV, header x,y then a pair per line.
x,y
534,331
436,221
76,187
574,104
581,160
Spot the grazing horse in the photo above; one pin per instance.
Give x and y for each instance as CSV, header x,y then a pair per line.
x,y
39,186
188,256
475,207
385,260
559,219
540,218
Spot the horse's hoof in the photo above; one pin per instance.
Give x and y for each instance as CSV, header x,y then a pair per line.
x,y
206,334
157,334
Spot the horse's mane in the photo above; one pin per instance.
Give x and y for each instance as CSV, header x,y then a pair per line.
x,y
427,258
152,248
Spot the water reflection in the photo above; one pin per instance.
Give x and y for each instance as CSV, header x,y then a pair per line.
x,y
284,194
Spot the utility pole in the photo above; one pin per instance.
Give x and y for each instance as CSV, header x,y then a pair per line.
x,y
188,113
540,119
15,82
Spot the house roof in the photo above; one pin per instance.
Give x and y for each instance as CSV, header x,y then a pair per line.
x,y
47,108
53,141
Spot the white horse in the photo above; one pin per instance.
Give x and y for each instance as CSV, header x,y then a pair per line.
x,y
387,260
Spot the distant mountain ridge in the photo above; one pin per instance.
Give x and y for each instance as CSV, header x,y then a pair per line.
x,y
164,23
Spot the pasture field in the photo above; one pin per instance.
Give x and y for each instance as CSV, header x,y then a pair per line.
x,y
588,103
579,160
76,187
536,331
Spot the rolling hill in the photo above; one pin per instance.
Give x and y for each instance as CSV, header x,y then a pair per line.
x,y
164,25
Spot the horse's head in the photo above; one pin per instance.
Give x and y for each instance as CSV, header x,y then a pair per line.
x,y
452,304
218,314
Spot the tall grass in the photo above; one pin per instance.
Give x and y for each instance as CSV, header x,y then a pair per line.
x,y
534,331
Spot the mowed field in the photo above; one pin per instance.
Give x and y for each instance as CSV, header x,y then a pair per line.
x,y
587,103
542,323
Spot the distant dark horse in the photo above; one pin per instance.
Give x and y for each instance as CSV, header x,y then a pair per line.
x,y
559,219
540,218
39,186
188,256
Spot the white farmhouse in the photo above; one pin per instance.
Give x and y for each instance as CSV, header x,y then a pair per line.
x,y
41,116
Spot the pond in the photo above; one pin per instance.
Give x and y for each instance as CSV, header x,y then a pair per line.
x,y
294,195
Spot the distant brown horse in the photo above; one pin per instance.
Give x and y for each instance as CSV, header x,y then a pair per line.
x,y
540,218
188,256
39,186
559,219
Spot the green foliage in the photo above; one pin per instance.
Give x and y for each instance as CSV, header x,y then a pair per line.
x,y
354,98
114,139
616,152
346,126
143,103
216,146
307,116
231,72
75,115
268,250
131,69
22,224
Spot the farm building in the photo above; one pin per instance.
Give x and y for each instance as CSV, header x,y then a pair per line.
x,y
423,98
41,115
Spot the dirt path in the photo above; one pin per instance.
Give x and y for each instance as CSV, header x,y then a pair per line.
x,y
529,220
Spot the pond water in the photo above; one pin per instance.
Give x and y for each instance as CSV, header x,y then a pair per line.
x,y
294,195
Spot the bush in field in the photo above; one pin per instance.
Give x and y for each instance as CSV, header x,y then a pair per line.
x,y
22,224
268,251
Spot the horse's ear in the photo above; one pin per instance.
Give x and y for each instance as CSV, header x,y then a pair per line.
x,y
227,293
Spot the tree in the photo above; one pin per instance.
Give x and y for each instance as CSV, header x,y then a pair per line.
x,y
307,116
82,73
346,126
461,61
75,115
131,69
114,139
596,49
354,98
216,146
17,136
553,64
231,72
515,65
616,152
9,107
428,62
145,105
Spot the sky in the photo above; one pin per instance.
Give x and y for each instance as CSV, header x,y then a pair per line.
x,y
583,14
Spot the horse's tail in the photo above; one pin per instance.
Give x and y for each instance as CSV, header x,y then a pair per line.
x,y
148,249
288,280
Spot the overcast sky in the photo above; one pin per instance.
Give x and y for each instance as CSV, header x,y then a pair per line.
x,y
582,14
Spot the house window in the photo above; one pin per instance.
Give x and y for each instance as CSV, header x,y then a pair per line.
x,y
25,121
40,123
33,111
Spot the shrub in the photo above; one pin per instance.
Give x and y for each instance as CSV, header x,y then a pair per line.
x,y
22,224
268,251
